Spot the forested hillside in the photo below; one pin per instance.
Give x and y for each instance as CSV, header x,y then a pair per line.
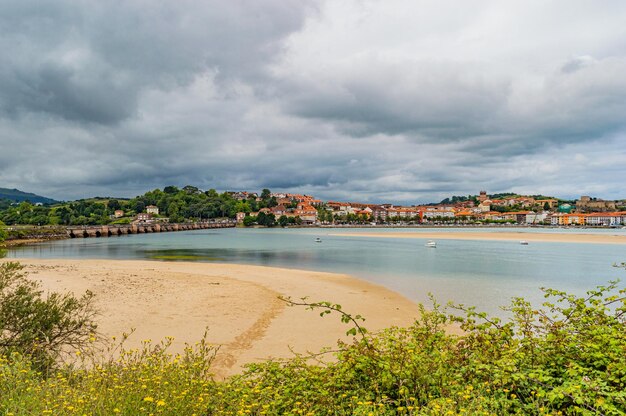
x,y
15,195
188,203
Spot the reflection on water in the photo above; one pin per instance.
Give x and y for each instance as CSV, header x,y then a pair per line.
x,y
482,273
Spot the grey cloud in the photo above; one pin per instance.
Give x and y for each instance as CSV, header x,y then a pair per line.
x,y
116,98
456,104
90,61
433,99
577,63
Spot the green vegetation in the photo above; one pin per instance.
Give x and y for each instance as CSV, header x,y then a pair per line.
x,y
41,327
179,205
567,358
15,195
457,198
3,232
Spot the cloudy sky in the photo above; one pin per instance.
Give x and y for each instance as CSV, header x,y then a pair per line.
x,y
403,101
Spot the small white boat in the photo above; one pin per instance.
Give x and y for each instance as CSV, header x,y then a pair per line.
x,y
431,243
318,240
524,242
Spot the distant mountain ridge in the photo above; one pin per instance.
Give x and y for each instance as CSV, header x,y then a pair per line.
x,y
19,196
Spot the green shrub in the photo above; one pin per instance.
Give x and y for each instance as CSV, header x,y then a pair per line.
x,y
3,232
147,380
45,328
566,358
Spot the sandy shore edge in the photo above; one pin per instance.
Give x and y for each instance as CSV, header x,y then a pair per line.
x,y
498,236
237,303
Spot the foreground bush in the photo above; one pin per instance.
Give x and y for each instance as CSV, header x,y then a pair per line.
x,y
567,358
141,381
43,327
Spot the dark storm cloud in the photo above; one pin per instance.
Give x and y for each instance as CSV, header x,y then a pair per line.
x,y
357,100
89,61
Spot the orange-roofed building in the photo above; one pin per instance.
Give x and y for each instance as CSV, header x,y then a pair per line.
x,y
517,216
568,219
464,213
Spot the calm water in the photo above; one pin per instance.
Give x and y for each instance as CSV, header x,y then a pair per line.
x,y
482,273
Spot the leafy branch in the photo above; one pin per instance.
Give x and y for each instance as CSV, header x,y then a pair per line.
x,y
328,308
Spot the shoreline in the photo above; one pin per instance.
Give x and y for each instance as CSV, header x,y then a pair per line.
x,y
37,238
237,303
498,236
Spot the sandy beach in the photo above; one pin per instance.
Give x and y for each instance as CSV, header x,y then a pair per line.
x,y
238,304
499,236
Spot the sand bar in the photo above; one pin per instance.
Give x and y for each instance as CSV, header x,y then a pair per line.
x,y
499,236
237,303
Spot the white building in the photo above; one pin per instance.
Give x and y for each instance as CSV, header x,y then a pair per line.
x,y
536,217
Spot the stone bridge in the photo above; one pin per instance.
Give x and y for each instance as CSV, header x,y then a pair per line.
x,y
140,228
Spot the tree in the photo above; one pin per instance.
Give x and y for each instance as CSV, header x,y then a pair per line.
x,y
546,206
139,206
191,189
44,328
249,220
283,220
3,232
265,194
113,205
268,220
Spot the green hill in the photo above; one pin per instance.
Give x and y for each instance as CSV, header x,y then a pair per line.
x,y
19,196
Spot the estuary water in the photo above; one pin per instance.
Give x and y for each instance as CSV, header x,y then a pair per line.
x,y
486,274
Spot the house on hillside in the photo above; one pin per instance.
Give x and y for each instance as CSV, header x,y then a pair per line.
x,y
517,216
143,217
307,213
152,209
279,210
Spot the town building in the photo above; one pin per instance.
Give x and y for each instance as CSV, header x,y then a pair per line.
x,y
152,209
606,219
536,218
518,216
568,219
307,213
588,204
551,203
279,210
144,217
485,205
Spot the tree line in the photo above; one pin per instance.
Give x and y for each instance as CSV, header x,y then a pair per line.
x,y
178,204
